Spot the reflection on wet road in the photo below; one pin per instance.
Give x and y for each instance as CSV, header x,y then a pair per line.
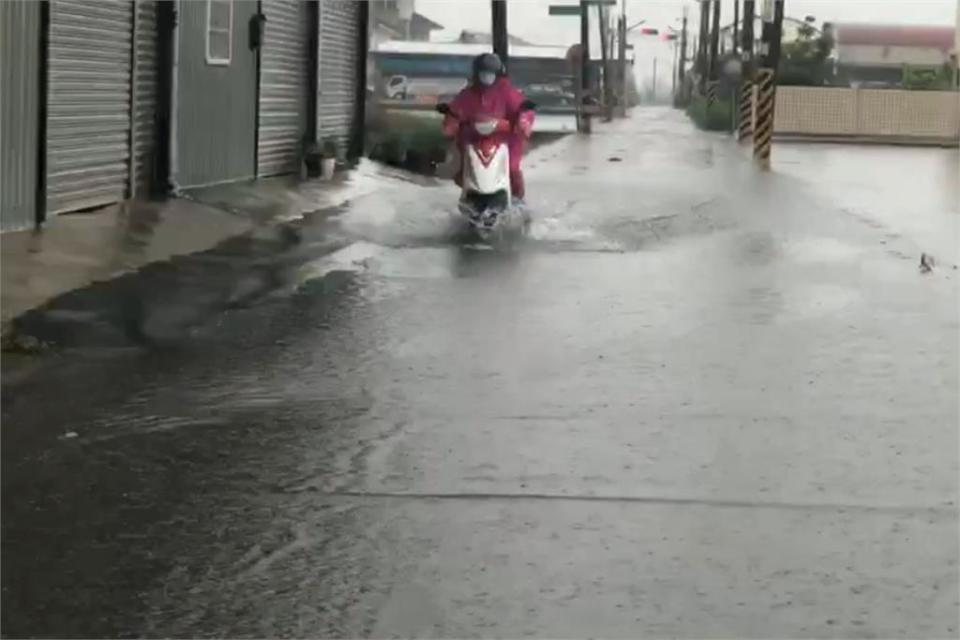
x,y
698,402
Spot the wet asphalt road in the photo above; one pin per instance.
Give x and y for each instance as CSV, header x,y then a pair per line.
x,y
698,402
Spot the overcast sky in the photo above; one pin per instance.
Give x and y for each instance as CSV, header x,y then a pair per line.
x,y
528,18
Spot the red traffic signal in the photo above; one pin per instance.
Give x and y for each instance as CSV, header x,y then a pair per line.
x,y
648,31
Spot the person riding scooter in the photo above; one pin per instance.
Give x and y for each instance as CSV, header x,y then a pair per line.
x,y
491,94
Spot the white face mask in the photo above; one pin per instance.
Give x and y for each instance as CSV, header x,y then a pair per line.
x,y
486,78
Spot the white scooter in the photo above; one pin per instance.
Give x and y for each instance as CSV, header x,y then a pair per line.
x,y
486,202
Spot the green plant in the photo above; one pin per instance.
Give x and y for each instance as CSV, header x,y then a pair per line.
x,y
311,156
716,117
329,149
924,78
408,140
803,62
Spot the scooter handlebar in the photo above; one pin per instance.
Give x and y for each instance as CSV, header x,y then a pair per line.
x,y
524,124
444,108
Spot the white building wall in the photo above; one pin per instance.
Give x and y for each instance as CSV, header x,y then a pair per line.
x,y
880,56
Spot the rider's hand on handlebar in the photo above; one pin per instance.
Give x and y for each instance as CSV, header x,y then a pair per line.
x,y
524,124
450,126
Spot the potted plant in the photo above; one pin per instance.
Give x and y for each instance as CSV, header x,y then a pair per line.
x,y
311,158
328,159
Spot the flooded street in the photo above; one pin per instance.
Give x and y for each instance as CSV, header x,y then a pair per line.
x,y
699,401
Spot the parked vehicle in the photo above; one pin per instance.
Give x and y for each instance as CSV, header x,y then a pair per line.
x,y
401,87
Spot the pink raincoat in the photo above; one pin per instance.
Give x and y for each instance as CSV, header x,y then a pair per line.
x,y
501,100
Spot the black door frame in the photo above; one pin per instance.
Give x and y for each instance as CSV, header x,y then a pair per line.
x,y
160,183
357,138
43,77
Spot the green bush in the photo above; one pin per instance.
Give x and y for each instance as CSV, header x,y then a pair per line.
x,y
921,78
718,117
410,141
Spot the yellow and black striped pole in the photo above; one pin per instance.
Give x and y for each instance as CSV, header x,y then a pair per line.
x,y
763,129
713,91
745,115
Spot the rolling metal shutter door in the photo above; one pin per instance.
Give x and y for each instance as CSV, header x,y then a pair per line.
x,y
144,94
284,86
19,112
88,118
339,34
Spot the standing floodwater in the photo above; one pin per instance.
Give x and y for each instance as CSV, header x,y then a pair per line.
x,y
698,401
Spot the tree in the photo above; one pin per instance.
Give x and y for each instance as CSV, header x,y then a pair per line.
x,y
804,61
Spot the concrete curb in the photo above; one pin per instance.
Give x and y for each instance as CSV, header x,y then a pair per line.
x,y
912,141
75,251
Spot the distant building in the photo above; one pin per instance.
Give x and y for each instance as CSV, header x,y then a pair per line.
x,y
483,37
396,20
876,54
791,31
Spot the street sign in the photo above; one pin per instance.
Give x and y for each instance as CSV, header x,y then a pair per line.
x,y
574,9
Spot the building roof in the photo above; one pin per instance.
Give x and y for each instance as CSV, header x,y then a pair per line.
x,y
418,20
483,37
472,49
788,23
933,37
388,18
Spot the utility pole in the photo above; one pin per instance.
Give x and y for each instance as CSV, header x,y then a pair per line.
x,y
681,71
604,25
715,42
747,37
713,86
747,94
766,81
584,65
653,88
776,37
673,71
500,34
622,46
736,24
701,63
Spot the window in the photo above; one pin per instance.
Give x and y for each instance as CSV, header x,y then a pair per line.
x,y
219,31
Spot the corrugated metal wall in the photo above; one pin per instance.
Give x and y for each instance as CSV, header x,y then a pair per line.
x,y
19,112
88,117
145,83
284,86
216,104
339,34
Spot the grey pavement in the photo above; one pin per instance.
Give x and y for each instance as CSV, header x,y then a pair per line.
x,y
73,251
700,401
